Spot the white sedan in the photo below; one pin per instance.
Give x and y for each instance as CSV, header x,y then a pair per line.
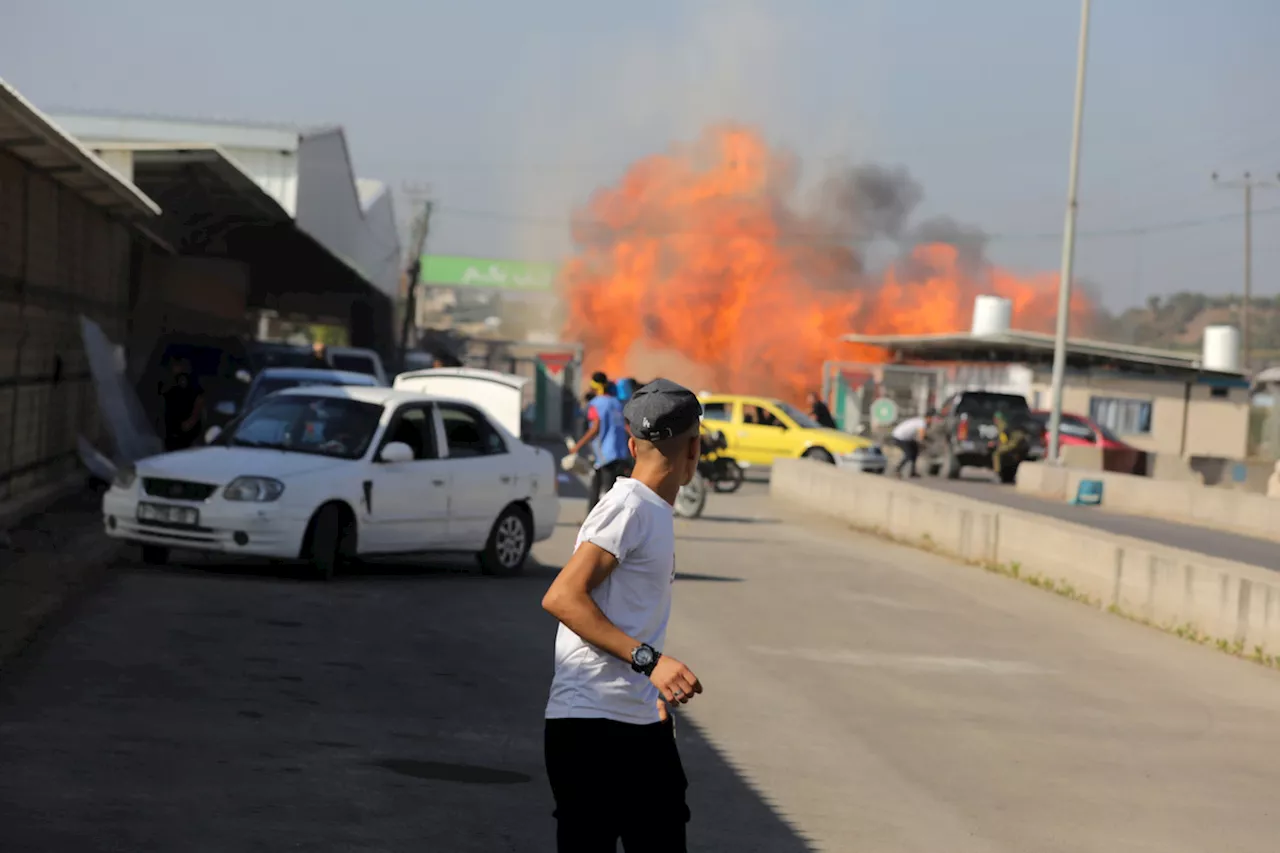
x,y
329,475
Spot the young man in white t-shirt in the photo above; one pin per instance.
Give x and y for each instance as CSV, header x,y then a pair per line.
x,y
610,743
908,436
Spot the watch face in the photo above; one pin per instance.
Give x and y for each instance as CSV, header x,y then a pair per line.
x,y
643,656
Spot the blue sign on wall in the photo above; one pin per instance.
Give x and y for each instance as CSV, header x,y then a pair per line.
x,y
1089,493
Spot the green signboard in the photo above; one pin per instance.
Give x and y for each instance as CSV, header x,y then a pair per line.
x,y
884,411
455,271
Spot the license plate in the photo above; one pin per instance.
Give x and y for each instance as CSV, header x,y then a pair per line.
x,y
165,514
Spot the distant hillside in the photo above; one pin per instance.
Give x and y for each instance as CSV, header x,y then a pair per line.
x,y
1178,322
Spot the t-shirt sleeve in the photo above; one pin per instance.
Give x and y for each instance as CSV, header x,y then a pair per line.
x,y
614,527
592,414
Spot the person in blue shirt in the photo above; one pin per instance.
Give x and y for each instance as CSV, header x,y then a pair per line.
x,y
607,434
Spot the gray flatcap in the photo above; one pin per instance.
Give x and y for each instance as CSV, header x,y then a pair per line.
x,y
661,410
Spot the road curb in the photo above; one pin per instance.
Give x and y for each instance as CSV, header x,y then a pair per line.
x,y
38,586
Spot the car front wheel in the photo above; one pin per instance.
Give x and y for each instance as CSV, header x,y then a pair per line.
x,y
331,543
509,543
820,454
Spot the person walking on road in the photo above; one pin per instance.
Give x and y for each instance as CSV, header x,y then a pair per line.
x,y
607,435
819,411
907,437
611,755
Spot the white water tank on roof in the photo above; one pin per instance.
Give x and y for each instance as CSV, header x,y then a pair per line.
x,y
1221,349
991,315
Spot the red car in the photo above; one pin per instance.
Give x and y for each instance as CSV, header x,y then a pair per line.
x,y
1080,431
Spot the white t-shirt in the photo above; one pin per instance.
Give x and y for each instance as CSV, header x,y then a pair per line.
x,y
636,526
909,429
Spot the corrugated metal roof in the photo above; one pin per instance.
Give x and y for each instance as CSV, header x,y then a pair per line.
x,y
33,138
1017,340
97,128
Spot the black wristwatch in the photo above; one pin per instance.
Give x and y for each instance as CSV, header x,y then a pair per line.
x,y
644,658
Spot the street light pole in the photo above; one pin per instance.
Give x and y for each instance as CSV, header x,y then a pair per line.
x,y
1068,243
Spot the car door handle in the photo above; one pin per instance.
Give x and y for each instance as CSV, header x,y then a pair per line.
x,y
437,482
505,479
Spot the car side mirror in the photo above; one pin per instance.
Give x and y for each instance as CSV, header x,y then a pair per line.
x,y
226,408
396,452
211,434
244,376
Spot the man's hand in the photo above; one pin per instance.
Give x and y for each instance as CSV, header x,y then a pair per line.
x,y
674,680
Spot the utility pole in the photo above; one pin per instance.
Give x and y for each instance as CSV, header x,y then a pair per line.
x,y
413,273
1248,183
1068,242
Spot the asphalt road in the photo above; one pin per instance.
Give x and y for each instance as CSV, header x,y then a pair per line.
x,y
860,696
977,484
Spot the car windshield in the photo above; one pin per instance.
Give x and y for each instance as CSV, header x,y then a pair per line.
x,y
354,362
986,405
327,426
802,420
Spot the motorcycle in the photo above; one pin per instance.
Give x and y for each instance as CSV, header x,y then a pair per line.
x,y
723,472
691,500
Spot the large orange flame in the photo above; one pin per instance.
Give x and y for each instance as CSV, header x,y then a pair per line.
x,y
698,265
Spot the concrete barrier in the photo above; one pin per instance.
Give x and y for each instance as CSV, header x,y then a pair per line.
x,y
1172,588
1188,502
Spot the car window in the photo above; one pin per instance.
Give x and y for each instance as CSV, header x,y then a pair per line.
x,y
354,362
414,426
469,433
326,426
761,416
1108,435
798,417
715,411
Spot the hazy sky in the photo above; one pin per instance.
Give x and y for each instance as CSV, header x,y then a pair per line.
x,y
514,111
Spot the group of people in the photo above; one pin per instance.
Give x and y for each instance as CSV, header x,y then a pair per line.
x,y
909,437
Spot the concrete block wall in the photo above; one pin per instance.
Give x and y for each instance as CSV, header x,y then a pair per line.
x,y
1188,501
1167,586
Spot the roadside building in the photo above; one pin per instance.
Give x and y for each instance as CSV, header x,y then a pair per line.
x,y
73,237
263,218
1187,404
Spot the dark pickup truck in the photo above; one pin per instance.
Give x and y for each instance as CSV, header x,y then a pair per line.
x,y
963,433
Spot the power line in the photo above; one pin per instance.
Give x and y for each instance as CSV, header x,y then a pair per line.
x,y
843,237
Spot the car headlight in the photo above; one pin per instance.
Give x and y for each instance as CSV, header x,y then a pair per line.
x,y
254,489
126,476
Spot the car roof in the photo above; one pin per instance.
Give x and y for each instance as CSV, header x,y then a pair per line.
x,y
375,394
733,398
345,377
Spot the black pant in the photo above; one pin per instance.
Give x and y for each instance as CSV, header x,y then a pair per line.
x,y
616,781
910,453
603,478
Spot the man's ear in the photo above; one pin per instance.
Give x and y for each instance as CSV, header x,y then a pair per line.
x,y
631,446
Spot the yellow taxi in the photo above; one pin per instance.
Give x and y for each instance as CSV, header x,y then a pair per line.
x,y
759,430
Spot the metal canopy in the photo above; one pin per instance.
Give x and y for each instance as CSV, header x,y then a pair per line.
x,y
1033,347
30,136
205,196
